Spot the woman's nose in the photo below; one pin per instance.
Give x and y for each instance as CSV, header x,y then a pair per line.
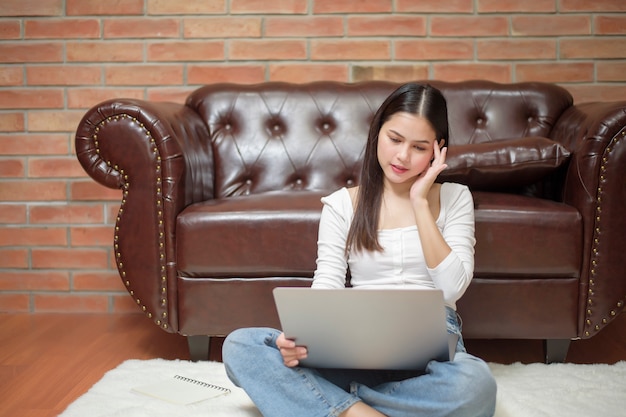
x,y
403,153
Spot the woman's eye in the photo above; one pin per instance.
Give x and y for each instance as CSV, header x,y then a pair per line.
x,y
394,140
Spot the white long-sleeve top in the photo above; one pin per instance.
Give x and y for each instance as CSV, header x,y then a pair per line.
x,y
401,263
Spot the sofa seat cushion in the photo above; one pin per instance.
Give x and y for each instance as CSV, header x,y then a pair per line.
x,y
268,234
275,234
525,237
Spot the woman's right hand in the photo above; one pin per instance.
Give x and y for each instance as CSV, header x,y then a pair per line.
x,y
291,353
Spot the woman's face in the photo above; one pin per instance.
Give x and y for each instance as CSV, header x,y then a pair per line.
x,y
405,147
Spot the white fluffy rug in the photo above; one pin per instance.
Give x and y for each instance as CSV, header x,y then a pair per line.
x,y
534,390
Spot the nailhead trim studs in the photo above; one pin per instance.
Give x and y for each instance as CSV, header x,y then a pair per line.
x,y
596,243
163,316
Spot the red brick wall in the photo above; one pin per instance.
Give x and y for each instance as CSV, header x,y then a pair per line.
x,y
59,57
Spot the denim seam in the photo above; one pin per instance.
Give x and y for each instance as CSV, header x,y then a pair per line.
x,y
334,410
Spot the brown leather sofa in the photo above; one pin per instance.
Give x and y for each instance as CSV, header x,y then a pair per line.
x,y
221,201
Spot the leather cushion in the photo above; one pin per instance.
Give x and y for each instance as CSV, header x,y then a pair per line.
x,y
525,237
260,235
275,234
504,164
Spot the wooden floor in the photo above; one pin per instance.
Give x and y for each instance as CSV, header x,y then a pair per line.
x,y
47,361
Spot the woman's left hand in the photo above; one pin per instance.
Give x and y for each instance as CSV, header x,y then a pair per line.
x,y
423,183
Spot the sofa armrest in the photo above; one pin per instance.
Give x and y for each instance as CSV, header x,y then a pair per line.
x,y
594,184
156,153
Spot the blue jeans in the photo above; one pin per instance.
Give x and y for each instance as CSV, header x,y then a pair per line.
x,y
462,387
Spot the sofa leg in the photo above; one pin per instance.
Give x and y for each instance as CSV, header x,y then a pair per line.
x,y
556,349
198,348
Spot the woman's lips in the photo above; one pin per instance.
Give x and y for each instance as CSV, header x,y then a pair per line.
x,y
398,169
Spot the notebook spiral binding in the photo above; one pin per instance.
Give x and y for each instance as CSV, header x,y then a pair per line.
x,y
201,383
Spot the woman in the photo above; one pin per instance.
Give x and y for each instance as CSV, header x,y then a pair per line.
x,y
398,228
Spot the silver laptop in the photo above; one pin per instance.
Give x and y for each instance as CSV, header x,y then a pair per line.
x,y
395,329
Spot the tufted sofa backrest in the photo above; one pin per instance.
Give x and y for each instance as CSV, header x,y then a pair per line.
x,y
278,136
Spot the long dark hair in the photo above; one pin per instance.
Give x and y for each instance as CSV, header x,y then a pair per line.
x,y
421,100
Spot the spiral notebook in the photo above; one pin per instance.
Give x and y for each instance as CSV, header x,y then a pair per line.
x,y
182,390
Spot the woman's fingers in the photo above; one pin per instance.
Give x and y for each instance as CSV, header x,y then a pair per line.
x,y
291,353
293,356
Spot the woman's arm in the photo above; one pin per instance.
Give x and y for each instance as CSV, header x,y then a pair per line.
x,y
434,246
449,255
331,261
454,273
